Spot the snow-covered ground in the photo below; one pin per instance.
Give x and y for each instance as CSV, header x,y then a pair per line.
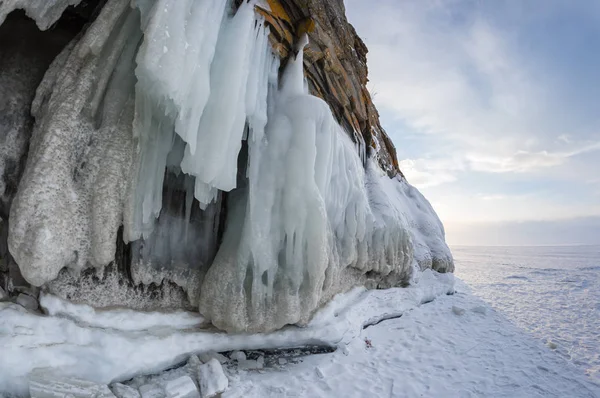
x,y
434,350
552,292
413,342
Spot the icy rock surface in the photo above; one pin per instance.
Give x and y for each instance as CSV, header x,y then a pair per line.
x,y
148,118
309,212
43,12
212,379
69,204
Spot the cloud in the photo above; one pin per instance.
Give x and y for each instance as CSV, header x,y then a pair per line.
x,y
579,231
524,161
458,70
492,105
424,173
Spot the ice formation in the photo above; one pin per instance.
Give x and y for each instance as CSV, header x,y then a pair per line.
x,y
171,155
43,12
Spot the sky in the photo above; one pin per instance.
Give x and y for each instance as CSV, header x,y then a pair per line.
x,y
494,109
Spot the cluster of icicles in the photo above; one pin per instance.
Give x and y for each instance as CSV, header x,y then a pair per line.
x,y
180,85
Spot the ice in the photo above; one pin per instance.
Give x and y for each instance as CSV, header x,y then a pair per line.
x,y
70,200
124,391
238,356
119,319
48,383
212,379
152,390
151,107
212,159
249,364
44,12
107,355
308,213
207,356
182,387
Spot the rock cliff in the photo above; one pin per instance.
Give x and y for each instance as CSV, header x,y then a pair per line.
x,y
223,157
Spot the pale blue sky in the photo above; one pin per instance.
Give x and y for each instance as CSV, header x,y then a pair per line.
x,y
494,108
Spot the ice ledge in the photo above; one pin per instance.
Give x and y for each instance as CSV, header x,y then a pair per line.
x,y
110,351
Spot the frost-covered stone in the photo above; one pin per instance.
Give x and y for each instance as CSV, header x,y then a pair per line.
x,y
208,355
47,383
124,391
27,301
182,387
212,379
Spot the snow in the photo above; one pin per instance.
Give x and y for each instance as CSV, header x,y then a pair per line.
x,y
551,292
212,379
428,352
396,342
107,354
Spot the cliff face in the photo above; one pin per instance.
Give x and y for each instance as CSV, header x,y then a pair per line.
x,y
167,154
336,67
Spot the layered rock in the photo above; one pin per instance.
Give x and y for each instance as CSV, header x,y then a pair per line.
x,y
177,160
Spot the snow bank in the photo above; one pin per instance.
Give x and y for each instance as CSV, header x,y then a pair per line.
x,y
104,353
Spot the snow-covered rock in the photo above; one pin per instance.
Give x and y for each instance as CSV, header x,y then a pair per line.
x,y
124,391
47,383
182,387
212,379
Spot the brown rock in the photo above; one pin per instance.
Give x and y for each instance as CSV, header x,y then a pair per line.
x,y
335,65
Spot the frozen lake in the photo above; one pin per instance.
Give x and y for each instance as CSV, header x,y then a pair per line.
x,y
552,292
